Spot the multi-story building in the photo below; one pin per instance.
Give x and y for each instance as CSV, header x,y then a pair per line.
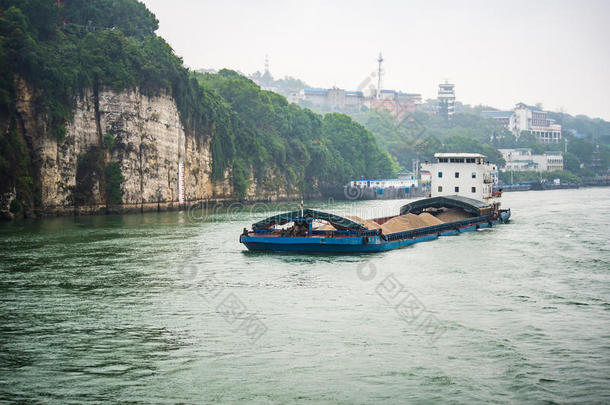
x,y
534,120
294,97
528,118
463,174
333,98
354,99
522,159
315,96
395,102
409,98
446,100
550,161
501,117
518,160
404,180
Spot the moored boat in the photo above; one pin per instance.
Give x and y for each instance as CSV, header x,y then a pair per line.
x,y
312,231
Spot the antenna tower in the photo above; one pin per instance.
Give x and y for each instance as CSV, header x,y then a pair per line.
x,y
379,73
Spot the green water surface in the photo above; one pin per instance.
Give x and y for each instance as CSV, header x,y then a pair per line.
x,y
170,308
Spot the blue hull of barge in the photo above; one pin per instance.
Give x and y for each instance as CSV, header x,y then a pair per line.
x,y
355,244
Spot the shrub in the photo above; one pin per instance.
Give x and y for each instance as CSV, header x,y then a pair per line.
x,y
108,142
15,206
114,179
89,169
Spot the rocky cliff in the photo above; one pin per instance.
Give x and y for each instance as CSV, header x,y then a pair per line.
x,y
149,146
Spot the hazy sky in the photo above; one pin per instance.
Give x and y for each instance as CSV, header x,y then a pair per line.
x,y
496,53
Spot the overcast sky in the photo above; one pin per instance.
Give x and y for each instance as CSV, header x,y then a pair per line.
x,y
496,53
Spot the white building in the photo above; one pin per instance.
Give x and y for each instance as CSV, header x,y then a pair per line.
x,y
533,119
334,98
554,160
446,100
522,159
425,176
404,180
315,96
518,160
354,99
463,174
294,97
528,118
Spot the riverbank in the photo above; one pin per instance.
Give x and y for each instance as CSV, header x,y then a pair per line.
x,y
137,208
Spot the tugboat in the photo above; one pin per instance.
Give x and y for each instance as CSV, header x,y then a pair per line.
x,y
312,231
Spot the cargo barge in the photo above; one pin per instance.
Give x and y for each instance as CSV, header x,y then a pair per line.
x,y
312,231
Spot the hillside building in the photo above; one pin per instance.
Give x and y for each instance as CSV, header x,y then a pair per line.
x,y
404,180
446,100
395,102
333,98
522,159
315,96
528,118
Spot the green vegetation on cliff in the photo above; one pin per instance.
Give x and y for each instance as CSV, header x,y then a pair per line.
x,y
16,169
64,48
91,169
268,132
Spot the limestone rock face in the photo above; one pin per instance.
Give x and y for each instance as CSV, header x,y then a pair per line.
x,y
150,144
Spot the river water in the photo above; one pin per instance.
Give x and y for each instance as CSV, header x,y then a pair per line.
x,y
170,308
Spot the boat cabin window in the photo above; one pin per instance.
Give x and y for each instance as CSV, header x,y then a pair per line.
x,y
440,174
457,189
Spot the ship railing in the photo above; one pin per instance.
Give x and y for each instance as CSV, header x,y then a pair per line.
x,y
370,232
